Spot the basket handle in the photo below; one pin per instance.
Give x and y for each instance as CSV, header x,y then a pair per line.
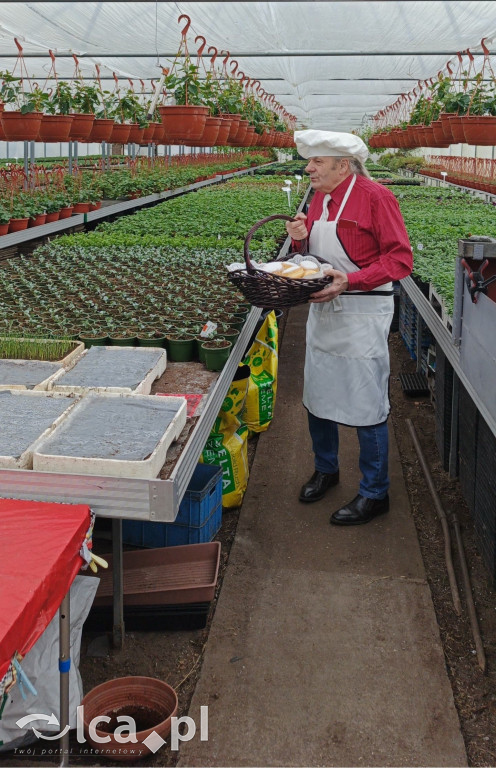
x,y
249,266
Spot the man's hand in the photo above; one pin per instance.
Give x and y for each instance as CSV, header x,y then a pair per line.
x,y
338,285
297,230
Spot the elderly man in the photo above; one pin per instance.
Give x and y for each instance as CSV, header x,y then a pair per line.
x,y
355,224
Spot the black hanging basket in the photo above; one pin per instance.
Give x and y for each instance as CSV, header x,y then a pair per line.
x,y
264,289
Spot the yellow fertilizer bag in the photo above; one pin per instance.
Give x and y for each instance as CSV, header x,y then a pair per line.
x,y
262,359
227,444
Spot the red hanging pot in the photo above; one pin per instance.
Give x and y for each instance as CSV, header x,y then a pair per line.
x,y
210,133
101,130
135,134
184,122
120,133
82,123
224,130
19,127
480,130
55,128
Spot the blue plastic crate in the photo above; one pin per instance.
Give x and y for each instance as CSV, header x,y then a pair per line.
x,y
198,519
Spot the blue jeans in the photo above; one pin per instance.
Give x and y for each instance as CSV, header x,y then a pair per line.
x,y
373,461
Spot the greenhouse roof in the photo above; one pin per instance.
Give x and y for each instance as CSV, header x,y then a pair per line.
x,y
330,64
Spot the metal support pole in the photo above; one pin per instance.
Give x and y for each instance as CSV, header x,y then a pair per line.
x,y
418,341
69,152
64,667
26,163
453,454
118,584
75,152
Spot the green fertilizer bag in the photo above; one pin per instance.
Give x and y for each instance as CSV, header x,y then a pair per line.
x,y
262,359
227,444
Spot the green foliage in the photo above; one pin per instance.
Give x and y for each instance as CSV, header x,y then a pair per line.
x,y
436,219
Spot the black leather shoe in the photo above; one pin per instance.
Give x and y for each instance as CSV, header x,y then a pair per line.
x,y
360,510
318,485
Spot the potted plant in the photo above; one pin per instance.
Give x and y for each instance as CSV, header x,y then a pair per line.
x,y
22,122
57,120
19,216
216,352
185,119
85,101
4,220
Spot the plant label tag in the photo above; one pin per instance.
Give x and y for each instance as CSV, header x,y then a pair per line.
x,y
208,330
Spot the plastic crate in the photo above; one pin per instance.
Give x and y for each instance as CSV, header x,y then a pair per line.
x,y
198,519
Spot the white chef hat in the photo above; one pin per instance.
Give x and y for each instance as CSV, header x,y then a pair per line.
x,y
313,143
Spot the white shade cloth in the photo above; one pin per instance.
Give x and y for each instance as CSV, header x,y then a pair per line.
x,y
313,143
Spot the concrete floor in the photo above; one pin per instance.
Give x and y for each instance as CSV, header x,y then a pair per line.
x,y
324,649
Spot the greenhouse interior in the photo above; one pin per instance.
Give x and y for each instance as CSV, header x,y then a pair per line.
x,y
248,503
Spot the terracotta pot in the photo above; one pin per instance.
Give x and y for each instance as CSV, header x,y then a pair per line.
x,y
55,128
81,207
480,130
16,225
184,122
224,130
36,221
66,213
136,134
239,138
120,133
235,120
438,131
457,129
101,130
2,134
210,133
82,123
19,127
148,133
53,216
95,206
445,118
4,228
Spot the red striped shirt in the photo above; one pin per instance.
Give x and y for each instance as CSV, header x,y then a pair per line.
x,y
379,245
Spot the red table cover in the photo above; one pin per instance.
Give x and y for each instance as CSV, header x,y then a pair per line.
x,y
39,559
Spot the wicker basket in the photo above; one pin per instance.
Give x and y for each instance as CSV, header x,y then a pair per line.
x,y
265,289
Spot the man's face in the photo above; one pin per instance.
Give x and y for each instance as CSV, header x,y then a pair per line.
x,y
327,172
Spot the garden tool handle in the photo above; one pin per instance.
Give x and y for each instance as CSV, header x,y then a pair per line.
x,y
249,265
475,280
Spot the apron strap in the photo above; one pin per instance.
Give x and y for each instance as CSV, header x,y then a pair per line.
x,y
345,198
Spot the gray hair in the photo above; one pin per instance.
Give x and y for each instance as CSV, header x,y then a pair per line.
x,y
359,168
355,165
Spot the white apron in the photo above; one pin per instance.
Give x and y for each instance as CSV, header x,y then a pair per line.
x,y
347,356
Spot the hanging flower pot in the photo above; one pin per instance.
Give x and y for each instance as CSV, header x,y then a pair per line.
x,y
445,118
457,129
183,121
480,130
216,352
101,130
120,133
2,134
135,134
210,133
82,123
223,135
234,127
16,225
20,127
55,128
150,702
148,133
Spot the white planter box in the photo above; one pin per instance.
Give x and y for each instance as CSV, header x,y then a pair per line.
x,y
113,369
112,434
26,418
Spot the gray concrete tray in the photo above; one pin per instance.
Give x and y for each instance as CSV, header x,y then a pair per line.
x,y
113,369
26,418
112,434
27,374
